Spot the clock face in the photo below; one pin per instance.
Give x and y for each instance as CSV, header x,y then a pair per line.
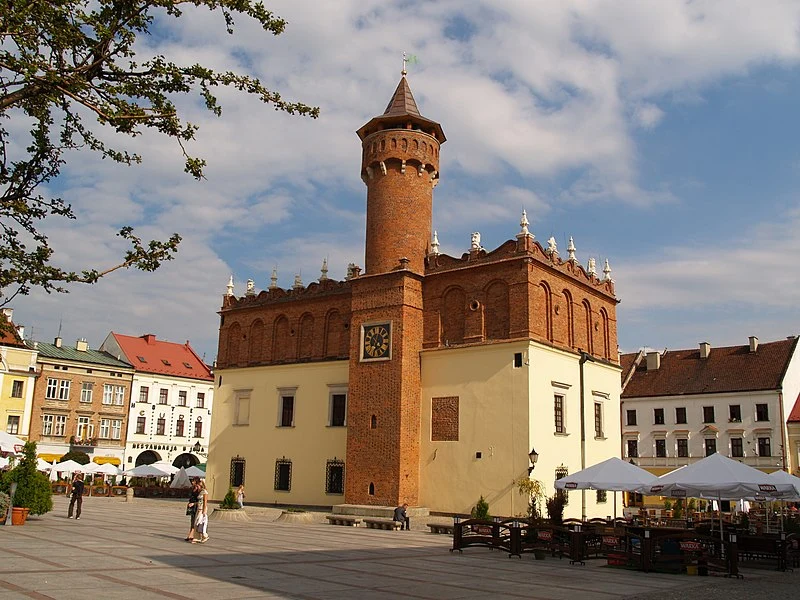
x,y
377,341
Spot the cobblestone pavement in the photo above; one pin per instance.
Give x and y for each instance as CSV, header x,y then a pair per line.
x,y
136,550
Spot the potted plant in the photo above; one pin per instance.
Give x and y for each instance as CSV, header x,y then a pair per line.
x,y
533,489
555,508
33,494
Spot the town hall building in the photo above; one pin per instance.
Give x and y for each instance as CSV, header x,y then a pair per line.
x,y
423,378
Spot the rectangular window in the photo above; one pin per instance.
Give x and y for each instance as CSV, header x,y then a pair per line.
x,y
163,395
287,411
598,420
16,388
63,389
47,424
161,425
683,448
105,428
558,409
283,475
52,389
182,398
737,447
140,424
119,395
735,413
630,418
708,414
658,416
334,477
711,446
762,412
143,392
601,497
60,429
680,415
764,447
661,448
237,471
85,429
116,429
201,398
242,409
338,410
198,428
12,426
179,427
633,448
108,394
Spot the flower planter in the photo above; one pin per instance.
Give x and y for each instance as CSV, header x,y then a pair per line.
x,y
19,515
119,490
100,490
60,488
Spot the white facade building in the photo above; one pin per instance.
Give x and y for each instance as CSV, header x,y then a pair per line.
x,y
680,406
171,401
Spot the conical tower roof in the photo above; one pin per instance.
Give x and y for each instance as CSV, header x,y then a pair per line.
x,y
402,113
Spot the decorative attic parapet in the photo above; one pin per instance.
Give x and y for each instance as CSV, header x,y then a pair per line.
x,y
274,295
511,250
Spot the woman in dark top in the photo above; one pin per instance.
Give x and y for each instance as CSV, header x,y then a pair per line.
x,y
191,508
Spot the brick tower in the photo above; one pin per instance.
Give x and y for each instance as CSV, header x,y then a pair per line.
x,y
400,167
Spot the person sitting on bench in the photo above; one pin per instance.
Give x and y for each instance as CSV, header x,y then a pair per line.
x,y
401,517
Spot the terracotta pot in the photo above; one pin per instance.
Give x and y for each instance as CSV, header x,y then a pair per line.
x,y
19,515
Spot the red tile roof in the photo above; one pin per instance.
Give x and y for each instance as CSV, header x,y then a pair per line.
x,y
729,369
9,335
162,358
794,416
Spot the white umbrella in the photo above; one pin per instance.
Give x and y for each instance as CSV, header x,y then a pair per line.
x,y
785,477
10,444
613,474
146,471
168,468
70,466
196,472
90,467
181,479
53,472
106,469
3,462
42,465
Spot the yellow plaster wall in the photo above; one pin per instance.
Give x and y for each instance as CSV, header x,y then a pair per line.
x,y
15,366
309,444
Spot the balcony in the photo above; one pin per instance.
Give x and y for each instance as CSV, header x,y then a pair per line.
x,y
675,462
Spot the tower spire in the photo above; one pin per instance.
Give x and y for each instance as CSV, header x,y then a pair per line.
x,y
405,60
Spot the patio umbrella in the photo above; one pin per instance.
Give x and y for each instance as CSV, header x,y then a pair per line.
x,y
195,472
168,468
146,471
719,478
70,466
106,469
3,462
42,465
613,474
10,444
53,472
181,480
785,477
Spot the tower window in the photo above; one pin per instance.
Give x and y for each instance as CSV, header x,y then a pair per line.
x,y
517,360
371,489
373,422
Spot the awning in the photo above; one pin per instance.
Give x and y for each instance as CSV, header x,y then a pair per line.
x,y
51,457
103,460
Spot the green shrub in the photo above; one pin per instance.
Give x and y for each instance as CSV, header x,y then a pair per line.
x,y
229,501
481,510
678,512
33,488
77,456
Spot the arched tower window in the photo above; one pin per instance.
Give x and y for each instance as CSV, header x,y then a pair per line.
x,y
306,336
256,352
497,311
547,307
234,343
587,308
371,489
570,316
604,333
334,329
281,341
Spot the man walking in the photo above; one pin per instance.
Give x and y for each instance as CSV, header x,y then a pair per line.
x,y
77,496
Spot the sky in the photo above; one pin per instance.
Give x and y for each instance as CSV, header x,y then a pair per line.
x,y
661,135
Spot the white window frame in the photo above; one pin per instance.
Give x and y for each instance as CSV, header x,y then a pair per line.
x,y
60,426
15,419
52,389
87,387
201,400
242,405
287,392
163,393
105,428
17,388
144,394
119,395
108,394
47,424
116,429
85,430
337,390
183,397
182,432
63,389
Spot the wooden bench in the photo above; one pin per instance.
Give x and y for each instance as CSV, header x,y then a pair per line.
x,y
437,528
343,520
383,524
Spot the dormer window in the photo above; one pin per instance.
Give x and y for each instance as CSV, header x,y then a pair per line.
x,y
166,362
142,359
187,365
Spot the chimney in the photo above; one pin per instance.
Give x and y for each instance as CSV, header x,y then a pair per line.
x,y
57,342
21,331
149,338
705,349
653,361
9,313
753,343
82,345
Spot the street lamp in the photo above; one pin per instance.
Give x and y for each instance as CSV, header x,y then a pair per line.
x,y
533,456
197,448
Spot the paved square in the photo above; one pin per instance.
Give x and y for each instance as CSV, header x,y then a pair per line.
x,y
136,550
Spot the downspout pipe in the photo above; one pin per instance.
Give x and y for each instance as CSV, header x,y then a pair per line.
x,y
585,357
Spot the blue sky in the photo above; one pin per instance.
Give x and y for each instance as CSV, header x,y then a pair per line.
x,y
661,135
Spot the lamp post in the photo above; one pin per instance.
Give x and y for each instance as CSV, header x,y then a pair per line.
x,y
197,450
533,456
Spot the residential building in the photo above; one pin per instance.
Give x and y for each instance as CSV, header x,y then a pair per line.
x,y
17,379
80,402
170,409
426,379
681,405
